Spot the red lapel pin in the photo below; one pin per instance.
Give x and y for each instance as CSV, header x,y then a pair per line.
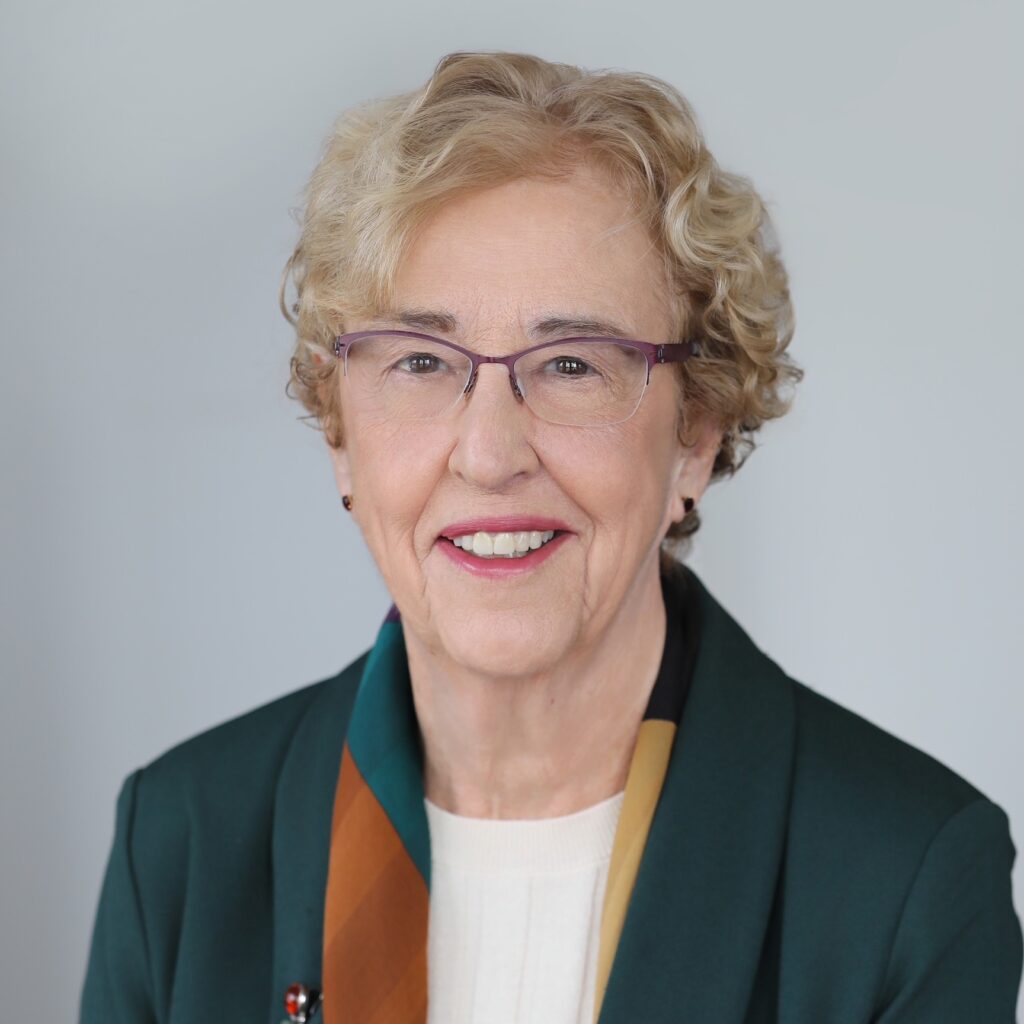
x,y
301,1003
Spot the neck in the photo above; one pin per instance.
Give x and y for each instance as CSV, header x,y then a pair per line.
x,y
548,744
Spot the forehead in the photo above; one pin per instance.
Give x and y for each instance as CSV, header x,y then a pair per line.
x,y
529,247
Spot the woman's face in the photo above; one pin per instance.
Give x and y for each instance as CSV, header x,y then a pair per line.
x,y
495,264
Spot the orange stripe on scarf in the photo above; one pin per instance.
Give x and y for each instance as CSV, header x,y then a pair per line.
x,y
375,914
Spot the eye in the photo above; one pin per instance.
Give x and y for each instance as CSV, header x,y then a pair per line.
x,y
570,366
420,363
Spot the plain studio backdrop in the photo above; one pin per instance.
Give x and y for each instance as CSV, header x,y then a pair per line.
x,y
175,552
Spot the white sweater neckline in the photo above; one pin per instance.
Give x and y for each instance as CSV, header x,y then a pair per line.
x,y
568,842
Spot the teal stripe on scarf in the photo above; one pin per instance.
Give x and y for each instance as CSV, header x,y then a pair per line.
x,y
384,740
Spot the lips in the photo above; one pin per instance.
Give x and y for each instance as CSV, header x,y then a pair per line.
x,y
502,546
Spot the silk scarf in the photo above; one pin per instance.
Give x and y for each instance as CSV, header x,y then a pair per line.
x,y
378,884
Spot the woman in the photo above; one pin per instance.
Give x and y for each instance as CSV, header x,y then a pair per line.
x,y
535,320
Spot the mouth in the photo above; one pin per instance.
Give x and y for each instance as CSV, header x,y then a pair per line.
x,y
507,544
513,542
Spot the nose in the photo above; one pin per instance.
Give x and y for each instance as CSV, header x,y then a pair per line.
x,y
493,433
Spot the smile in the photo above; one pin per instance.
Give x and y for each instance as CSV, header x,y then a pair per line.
x,y
503,545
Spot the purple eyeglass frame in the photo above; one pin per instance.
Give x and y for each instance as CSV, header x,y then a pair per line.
x,y
666,352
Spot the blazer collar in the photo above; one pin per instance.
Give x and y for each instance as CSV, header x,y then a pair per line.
x,y
692,937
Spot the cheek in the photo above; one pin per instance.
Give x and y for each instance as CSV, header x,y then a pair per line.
x,y
618,477
395,471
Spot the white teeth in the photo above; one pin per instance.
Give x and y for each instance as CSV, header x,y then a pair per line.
x,y
503,545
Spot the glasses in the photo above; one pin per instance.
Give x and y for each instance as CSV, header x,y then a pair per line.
x,y
579,382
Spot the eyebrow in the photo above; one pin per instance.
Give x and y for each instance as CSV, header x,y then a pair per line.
x,y
443,322
424,320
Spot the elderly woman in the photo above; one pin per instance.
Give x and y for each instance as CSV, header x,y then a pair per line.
x,y
534,321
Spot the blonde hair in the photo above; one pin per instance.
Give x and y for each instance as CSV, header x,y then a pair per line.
x,y
486,118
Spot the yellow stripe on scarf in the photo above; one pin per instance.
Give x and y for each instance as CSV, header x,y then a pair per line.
x,y
643,787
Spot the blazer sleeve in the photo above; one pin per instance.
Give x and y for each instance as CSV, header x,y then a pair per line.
x,y
117,988
956,957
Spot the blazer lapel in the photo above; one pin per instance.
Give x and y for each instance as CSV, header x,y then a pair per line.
x,y
692,939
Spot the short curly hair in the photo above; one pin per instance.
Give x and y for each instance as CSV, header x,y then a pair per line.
x,y
483,119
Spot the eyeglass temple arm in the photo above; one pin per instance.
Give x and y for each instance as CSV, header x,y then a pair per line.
x,y
676,353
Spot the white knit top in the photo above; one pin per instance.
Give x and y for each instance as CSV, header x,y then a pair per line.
x,y
515,915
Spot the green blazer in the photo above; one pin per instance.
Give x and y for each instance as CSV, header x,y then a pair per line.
x,y
803,867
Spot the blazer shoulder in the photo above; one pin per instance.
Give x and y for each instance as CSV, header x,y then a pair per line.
x,y
846,763
850,777
891,846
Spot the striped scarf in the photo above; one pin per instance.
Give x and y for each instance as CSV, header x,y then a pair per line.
x,y
378,883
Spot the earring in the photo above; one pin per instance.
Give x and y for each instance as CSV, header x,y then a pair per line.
x,y
688,504
346,500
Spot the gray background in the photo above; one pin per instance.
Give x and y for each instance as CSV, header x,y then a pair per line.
x,y
174,551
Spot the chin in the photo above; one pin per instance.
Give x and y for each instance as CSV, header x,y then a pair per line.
x,y
505,643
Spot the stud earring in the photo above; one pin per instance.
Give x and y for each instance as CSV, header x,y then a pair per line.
x,y
688,504
346,500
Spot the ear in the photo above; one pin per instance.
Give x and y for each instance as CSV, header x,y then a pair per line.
x,y
693,466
